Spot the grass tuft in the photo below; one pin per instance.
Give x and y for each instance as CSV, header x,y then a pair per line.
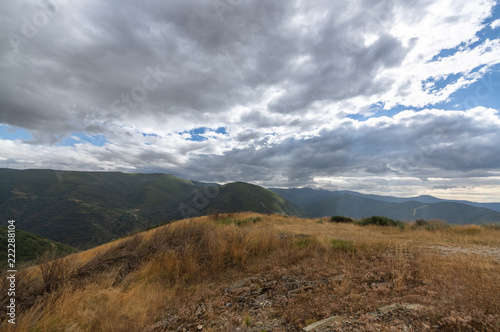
x,y
343,246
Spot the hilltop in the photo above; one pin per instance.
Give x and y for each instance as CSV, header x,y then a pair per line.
x,y
256,272
85,209
241,197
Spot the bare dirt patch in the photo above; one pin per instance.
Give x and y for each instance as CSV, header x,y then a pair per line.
x,y
478,250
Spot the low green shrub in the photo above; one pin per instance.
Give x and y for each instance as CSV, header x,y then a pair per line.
x,y
421,222
225,221
381,221
341,219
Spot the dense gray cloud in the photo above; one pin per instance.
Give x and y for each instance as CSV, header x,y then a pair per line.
x,y
279,77
71,67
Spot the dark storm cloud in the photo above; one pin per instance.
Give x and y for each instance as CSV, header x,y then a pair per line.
x,y
93,54
333,76
205,63
379,169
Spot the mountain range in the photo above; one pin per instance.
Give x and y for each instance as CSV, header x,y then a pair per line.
x,y
85,209
319,203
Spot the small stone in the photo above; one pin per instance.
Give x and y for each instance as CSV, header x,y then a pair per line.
x,y
323,323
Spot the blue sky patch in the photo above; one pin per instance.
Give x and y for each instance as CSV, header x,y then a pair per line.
x,y
197,134
488,32
148,134
485,92
444,53
13,133
76,138
440,84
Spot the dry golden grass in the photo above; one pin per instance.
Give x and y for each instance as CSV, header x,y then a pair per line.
x,y
463,235
164,275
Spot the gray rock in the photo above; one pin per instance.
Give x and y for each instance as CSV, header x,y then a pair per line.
x,y
324,324
318,326
241,284
388,308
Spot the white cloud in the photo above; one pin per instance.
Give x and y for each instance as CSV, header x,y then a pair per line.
x,y
461,21
495,24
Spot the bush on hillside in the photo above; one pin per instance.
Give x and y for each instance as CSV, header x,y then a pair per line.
x,y
421,222
381,221
341,219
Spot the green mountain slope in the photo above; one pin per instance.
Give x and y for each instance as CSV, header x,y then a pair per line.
x,y
240,196
30,246
84,209
304,197
346,205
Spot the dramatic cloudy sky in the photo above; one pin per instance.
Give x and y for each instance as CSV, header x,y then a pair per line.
x,y
388,97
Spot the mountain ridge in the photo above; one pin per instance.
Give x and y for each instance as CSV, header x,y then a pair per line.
x,y
384,198
84,209
320,203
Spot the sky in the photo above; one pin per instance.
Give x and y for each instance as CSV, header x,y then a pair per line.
x,y
392,97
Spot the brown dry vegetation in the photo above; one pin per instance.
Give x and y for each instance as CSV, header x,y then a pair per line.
x,y
266,273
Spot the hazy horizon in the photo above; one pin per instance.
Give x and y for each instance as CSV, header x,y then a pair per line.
x,y
60,174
